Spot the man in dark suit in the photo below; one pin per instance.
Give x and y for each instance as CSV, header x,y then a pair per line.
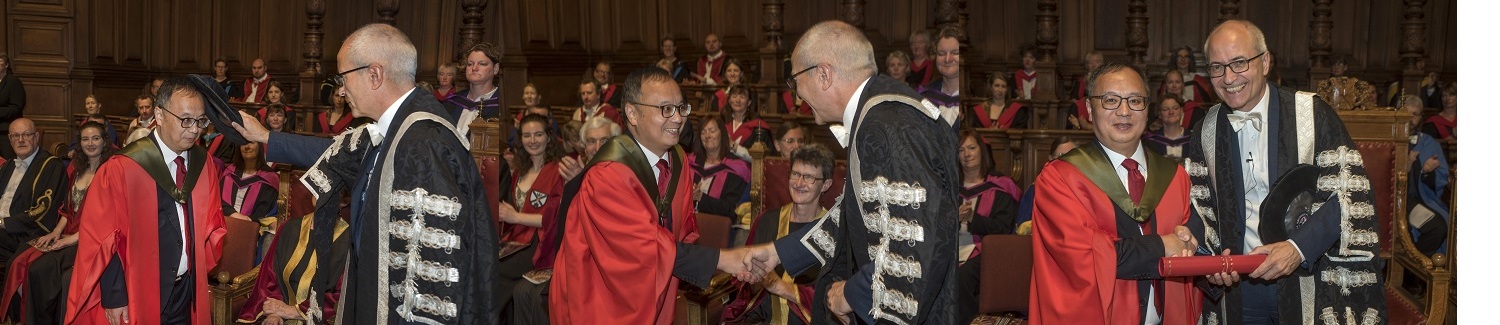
x,y
417,194
33,186
12,99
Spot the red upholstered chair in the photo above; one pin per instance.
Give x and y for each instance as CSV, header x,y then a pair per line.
x,y
299,199
1380,165
1005,288
489,173
713,230
233,278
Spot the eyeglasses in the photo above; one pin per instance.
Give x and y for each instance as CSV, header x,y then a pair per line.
x,y
22,136
791,82
187,122
338,79
1112,102
804,178
791,140
668,110
1238,66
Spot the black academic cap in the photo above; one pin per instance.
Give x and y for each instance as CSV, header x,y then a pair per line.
x,y
1289,204
216,106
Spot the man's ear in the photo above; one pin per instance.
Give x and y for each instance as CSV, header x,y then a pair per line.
x,y
632,113
376,76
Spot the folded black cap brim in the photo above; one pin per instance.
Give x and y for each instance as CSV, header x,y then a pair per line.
x,y
216,106
1288,203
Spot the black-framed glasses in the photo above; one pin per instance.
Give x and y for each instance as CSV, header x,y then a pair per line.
x,y
668,110
1112,102
21,136
791,82
1216,70
187,122
800,177
338,79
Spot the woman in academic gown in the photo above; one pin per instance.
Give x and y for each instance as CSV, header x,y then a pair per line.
x,y
988,208
1000,112
722,178
250,193
538,193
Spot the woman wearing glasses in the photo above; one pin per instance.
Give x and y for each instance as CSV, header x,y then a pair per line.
x,y
1199,88
988,208
783,299
722,178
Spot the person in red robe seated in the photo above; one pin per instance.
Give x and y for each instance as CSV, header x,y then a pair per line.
x,y
1025,78
923,68
782,298
538,187
145,260
630,222
337,118
791,104
590,106
742,122
257,86
710,68
608,91
1000,112
43,269
1106,213
1197,82
734,77
1443,125
1192,110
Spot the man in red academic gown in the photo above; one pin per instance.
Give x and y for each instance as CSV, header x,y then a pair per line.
x,y
1106,214
132,265
629,220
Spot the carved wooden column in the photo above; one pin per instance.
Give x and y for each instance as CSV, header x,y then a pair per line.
x,y
472,31
1414,48
1136,36
1320,39
771,54
1229,9
1046,57
947,16
312,57
387,9
853,12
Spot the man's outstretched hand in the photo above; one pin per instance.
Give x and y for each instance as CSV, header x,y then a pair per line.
x,y
251,130
752,264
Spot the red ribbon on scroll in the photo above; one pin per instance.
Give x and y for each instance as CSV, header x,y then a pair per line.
x,y
1205,265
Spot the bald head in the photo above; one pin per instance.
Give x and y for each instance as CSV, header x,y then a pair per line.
x,y
23,137
1236,30
258,68
386,46
840,45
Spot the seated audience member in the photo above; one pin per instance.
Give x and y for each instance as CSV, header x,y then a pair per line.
x,y
594,134
142,125
1025,78
1078,118
734,77
793,104
988,208
532,99
230,88
151,87
1173,136
678,68
250,189
1192,111
275,117
793,136
92,110
538,193
1060,145
1444,124
743,123
337,118
608,91
898,66
274,98
1428,184
812,168
257,86
1000,112
446,87
922,69
299,280
710,68
482,98
945,92
723,179
1198,87
38,277
590,106
27,200
1430,88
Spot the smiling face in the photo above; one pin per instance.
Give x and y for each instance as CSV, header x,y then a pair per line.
x,y
1171,112
530,97
1174,83
999,88
948,57
593,139
601,73
669,48
968,154
1240,91
789,142
739,103
534,138
732,74
1118,129
919,45
653,131
712,136
478,69
91,140
90,105
806,192
250,151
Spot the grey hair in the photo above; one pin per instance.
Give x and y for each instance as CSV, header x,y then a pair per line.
x,y
388,46
1256,36
840,45
596,122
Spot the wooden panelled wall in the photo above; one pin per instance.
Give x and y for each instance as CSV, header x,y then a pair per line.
x,y
67,49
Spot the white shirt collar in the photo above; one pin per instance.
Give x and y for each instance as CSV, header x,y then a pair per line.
x,y
841,131
166,153
1116,158
652,158
28,159
384,123
262,79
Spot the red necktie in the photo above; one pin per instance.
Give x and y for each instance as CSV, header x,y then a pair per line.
x,y
181,171
1137,182
186,237
663,177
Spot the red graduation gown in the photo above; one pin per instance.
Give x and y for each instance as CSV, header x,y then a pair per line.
x,y
615,264
1073,277
125,224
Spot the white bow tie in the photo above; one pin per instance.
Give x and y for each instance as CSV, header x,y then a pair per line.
x,y
1239,120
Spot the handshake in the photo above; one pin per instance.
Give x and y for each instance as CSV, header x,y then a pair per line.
x,y
749,263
